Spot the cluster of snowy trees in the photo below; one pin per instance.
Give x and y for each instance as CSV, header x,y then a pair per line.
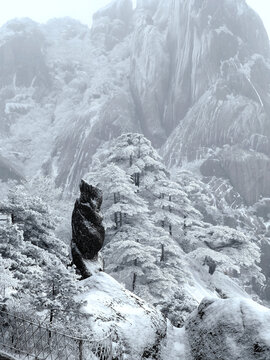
x,y
162,234
142,208
157,227
36,275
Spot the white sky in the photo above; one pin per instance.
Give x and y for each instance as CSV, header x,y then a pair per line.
x,y
42,10
262,7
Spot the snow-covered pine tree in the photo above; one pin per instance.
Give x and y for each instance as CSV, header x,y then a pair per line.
x,y
172,208
134,154
39,261
121,202
141,253
7,280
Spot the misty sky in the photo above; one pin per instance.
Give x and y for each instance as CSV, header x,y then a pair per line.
x,y
42,10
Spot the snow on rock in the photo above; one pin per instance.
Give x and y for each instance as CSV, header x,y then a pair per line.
x,y
138,326
229,329
175,344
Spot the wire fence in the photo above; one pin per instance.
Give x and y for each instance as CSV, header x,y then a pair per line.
x,y
27,340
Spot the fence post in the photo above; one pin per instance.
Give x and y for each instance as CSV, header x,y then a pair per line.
x,y
80,349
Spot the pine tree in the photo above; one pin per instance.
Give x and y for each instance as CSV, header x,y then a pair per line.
x,y
7,280
134,154
38,259
171,207
121,202
141,250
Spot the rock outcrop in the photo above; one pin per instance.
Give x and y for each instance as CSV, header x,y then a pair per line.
x,y
8,171
87,230
21,55
229,329
218,98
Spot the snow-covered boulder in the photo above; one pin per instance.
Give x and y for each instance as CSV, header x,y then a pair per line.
x,y
229,329
139,327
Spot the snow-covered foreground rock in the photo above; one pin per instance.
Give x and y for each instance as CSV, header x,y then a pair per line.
x,y
229,329
138,326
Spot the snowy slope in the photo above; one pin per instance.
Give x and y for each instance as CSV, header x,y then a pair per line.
x,y
115,310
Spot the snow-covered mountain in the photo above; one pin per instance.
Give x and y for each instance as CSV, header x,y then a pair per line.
x,y
193,77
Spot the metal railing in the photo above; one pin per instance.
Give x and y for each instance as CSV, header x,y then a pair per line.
x,y
31,341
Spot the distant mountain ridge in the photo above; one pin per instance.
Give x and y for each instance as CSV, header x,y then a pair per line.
x,y
192,76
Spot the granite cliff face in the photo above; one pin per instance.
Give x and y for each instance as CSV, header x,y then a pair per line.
x,y
193,76
222,103
8,171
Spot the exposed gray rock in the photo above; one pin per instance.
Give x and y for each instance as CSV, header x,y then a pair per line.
x,y
219,93
149,77
247,170
22,61
87,229
8,171
76,146
249,173
202,36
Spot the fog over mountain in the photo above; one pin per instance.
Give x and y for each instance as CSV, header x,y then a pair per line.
x,y
192,77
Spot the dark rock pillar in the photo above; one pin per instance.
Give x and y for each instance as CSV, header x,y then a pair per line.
x,y
87,230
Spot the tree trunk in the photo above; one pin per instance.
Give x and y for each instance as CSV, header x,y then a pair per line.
x,y
170,210
134,281
115,214
121,219
115,220
80,350
185,226
162,258
51,310
162,222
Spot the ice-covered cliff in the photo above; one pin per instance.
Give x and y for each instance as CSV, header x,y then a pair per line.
x,y
193,76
